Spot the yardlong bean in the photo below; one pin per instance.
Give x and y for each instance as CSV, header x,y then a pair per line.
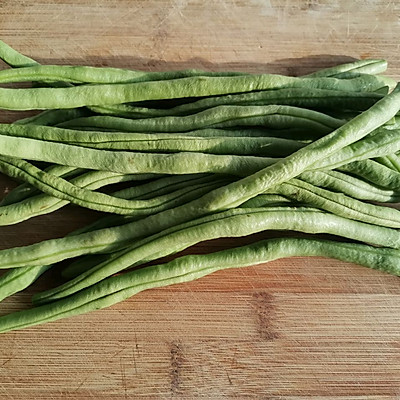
x,y
28,207
369,66
381,143
130,162
374,172
188,268
13,57
102,75
228,197
296,163
18,279
270,116
54,117
232,223
350,185
298,97
25,190
99,95
62,189
159,142
339,204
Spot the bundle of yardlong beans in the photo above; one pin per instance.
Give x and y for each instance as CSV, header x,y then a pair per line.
x,y
203,155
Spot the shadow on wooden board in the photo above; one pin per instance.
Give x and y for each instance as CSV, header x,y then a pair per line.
x,y
285,66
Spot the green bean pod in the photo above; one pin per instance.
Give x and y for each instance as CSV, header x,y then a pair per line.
x,y
18,279
319,99
270,116
62,189
25,190
124,162
198,86
232,223
351,186
159,142
369,66
375,173
339,204
54,117
187,268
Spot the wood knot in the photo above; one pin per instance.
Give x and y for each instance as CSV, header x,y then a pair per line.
x,y
263,304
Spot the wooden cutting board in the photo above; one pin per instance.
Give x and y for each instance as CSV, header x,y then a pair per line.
x,y
292,329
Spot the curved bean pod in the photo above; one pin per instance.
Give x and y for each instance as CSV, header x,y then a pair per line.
x,y
25,190
159,142
350,185
374,172
98,75
384,160
339,204
129,162
40,204
296,163
18,279
54,117
298,97
199,86
232,223
271,116
13,57
62,189
368,66
381,143
187,268
231,196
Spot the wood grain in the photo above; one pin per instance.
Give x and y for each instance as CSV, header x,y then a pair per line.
x,y
293,329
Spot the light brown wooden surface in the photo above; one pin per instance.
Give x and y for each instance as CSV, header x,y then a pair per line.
x,y
292,329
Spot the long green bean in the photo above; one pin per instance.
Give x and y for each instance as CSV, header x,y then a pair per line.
x,y
374,172
228,197
232,223
199,86
28,207
17,279
130,162
62,189
298,97
24,190
369,66
351,186
54,117
13,57
270,116
188,268
383,142
339,204
156,142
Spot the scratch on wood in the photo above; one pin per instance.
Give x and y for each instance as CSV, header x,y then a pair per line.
x,y
134,361
229,378
177,359
264,309
80,385
5,362
123,377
